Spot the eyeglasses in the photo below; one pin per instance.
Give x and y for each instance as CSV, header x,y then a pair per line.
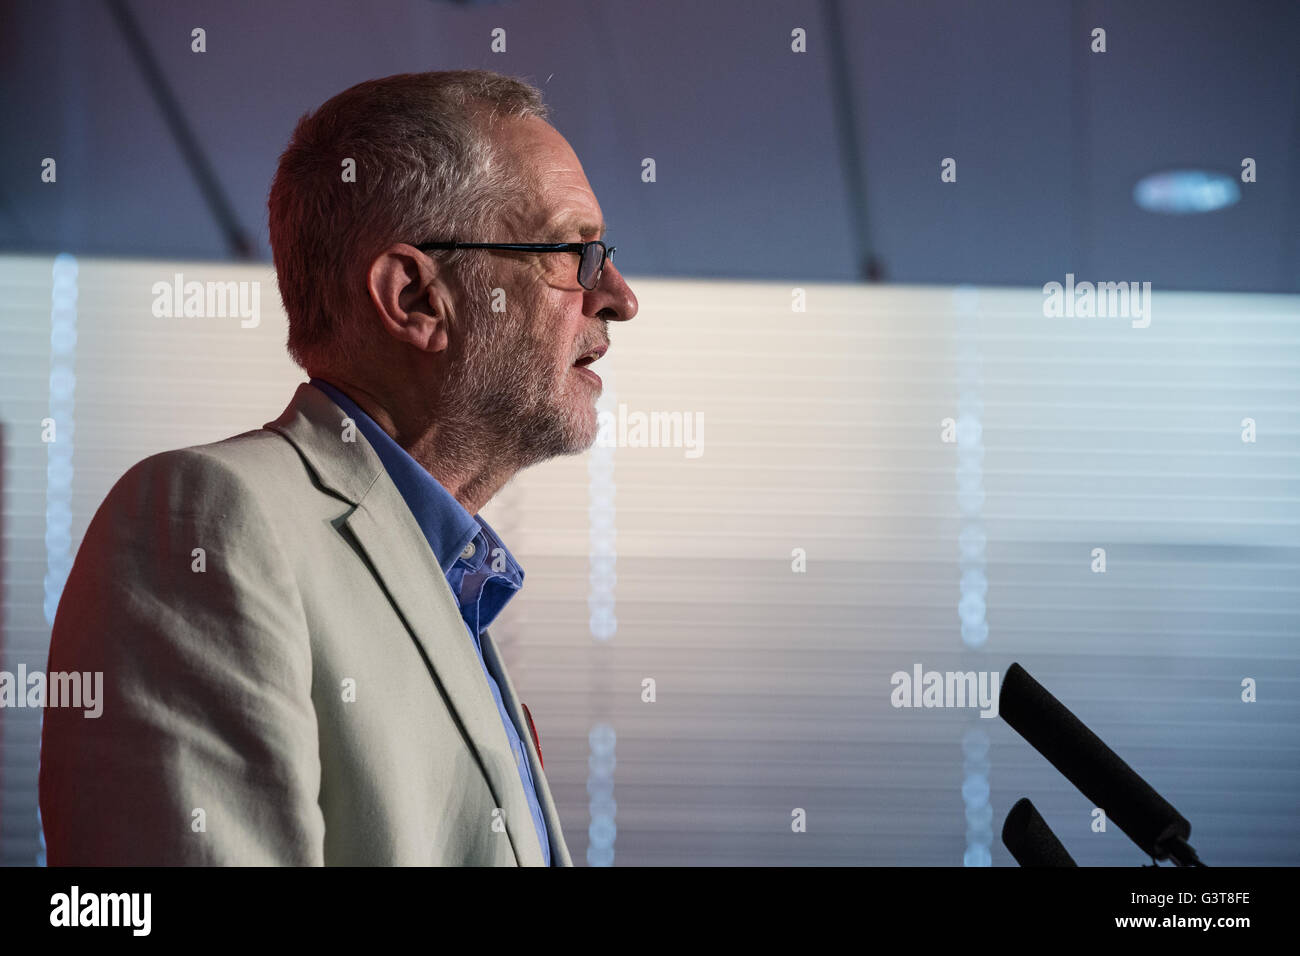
x,y
590,265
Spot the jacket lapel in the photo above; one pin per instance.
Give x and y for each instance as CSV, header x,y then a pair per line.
x,y
399,556
559,851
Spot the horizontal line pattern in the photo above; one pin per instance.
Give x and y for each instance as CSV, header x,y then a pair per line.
x,y
821,431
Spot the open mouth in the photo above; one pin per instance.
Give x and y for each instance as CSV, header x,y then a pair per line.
x,y
591,355
586,359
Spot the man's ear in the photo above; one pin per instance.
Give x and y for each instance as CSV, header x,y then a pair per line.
x,y
411,297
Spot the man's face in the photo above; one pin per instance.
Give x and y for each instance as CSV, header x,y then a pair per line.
x,y
518,371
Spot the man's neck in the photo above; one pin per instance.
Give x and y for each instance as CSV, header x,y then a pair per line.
x,y
461,461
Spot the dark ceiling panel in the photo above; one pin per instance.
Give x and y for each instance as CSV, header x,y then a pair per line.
x,y
1049,137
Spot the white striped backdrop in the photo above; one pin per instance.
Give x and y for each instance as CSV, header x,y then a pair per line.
x,y
822,432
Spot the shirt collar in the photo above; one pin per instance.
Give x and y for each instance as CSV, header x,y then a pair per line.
x,y
446,524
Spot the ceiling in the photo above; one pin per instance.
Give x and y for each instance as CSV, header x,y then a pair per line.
x,y
770,164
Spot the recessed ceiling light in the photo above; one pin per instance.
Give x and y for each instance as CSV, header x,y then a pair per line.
x,y
1181,191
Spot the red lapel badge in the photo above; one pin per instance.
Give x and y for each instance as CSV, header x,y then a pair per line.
x,y
532,729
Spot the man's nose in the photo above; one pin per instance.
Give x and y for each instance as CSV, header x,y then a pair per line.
x,y
613,297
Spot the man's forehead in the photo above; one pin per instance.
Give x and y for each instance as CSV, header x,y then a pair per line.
x,y
556,172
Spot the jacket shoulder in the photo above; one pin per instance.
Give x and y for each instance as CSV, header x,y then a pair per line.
x,y
201,477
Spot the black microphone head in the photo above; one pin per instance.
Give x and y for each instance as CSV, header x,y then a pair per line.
x,y
1030,840
1128,800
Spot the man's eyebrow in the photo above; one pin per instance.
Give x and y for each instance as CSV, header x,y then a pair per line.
x,y
562,227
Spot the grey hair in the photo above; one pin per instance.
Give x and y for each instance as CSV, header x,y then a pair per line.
x,y
426,168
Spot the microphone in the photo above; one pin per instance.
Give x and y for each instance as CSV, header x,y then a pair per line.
x,y
1030,840
1129,801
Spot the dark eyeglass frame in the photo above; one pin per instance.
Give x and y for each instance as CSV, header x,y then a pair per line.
x,y
606,252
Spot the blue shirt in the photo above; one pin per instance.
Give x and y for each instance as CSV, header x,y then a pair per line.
x,y
467,550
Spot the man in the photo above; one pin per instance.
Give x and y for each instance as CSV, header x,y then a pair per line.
x,y
292,623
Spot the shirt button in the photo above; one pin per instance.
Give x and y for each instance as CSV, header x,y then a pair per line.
x,y
469,551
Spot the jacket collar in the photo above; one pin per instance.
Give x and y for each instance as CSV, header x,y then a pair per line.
x,y
399,556
314,425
